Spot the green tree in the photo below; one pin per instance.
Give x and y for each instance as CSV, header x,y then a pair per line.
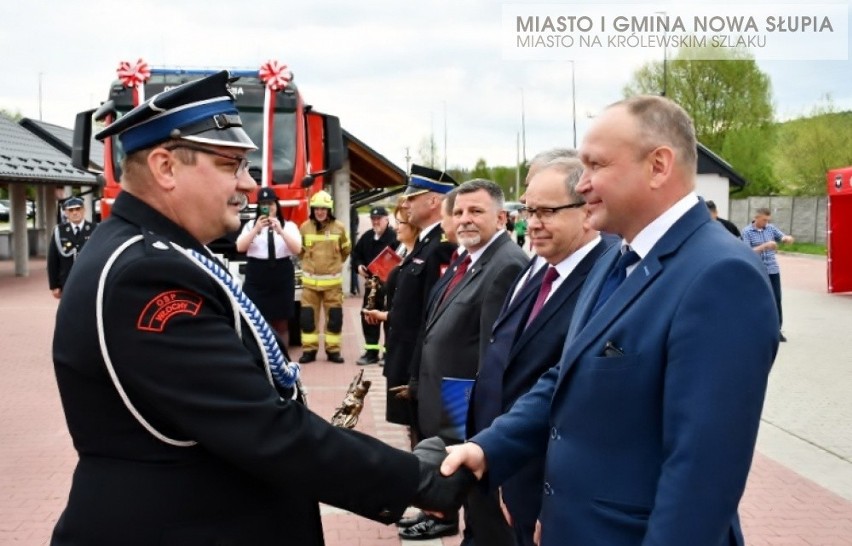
x,y
14,116
481,170
730,102
809,146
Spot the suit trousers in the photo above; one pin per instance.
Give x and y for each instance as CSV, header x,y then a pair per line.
x,y
485,520
372,332
775,283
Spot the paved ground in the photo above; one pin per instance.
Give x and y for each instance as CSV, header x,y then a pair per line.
x,y
799,491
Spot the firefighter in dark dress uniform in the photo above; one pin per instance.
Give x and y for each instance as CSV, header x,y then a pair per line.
x,y
176,394
416,276
67,241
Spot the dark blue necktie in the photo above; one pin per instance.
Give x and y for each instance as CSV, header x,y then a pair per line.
x,y
616,276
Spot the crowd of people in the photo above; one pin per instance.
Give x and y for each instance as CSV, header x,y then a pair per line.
x,y
606,389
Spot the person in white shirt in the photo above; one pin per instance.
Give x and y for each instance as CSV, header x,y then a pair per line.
x,y
269,242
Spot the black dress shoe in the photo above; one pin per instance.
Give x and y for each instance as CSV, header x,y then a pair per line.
x,y
430,528
405,523
335,357
367,359
307,356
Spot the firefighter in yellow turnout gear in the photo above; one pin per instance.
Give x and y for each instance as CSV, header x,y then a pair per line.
x,y
325,247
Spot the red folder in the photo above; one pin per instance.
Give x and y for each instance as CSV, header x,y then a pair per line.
x,y
384,263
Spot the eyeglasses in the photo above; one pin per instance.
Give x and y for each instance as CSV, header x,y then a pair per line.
x,y
545,214
242,161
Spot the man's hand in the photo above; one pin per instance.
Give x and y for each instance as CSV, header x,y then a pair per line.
x,y
373,316
57,293
413,388
400,392
467,454
768,245
437,493
362,270
504,508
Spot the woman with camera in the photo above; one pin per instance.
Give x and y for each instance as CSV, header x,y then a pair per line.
x,y
269,241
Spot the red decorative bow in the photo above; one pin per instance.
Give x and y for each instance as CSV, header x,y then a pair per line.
x,y
133,75
275,75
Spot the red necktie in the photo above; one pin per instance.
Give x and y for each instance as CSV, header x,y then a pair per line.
x,y
546,285
457,277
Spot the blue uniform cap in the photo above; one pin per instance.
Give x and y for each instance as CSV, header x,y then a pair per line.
x,y
425,179
72,202
202,111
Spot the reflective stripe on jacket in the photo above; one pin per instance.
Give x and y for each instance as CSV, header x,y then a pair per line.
x,y
323,251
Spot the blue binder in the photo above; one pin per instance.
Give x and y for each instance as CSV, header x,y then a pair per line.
x,y
455,397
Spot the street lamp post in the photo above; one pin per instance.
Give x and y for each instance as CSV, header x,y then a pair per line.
x,y
573,105
665,58
523,129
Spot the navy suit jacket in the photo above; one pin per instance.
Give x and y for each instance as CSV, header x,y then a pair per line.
x,y
514,361
649,421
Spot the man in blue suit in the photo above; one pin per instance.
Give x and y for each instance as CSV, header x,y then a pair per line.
x,y
648,422
522,346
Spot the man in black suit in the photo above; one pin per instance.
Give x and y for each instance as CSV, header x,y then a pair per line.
x,y
67,241
521,346
458,327
727,224
184,412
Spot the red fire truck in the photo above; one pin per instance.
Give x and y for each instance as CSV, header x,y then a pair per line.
x,y
297,147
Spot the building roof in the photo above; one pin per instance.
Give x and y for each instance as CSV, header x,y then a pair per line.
x,y
368,169
62,139
26,158
710,163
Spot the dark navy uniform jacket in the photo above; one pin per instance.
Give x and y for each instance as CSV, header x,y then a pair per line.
x,y
418,273
261,463
62,250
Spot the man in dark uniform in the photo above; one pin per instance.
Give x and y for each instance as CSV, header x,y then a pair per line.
x,y
67,241
179,401
370,245
418,273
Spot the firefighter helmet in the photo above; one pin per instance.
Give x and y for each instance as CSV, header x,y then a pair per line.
x,y
322,199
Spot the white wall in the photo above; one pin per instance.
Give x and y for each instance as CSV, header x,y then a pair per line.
x,y
713,187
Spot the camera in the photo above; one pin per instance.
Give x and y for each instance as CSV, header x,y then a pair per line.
x,y
264,210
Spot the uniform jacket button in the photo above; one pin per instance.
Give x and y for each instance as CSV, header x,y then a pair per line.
x,y
547,489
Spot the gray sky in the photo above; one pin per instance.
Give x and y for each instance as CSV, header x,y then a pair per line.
x,y
389,69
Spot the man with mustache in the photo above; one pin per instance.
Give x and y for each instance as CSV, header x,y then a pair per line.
x,y
458,328
185,414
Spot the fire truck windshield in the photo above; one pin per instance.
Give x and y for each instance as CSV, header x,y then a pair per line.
x,y
283,145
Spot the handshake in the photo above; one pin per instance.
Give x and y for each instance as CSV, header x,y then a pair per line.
x,y
435,492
